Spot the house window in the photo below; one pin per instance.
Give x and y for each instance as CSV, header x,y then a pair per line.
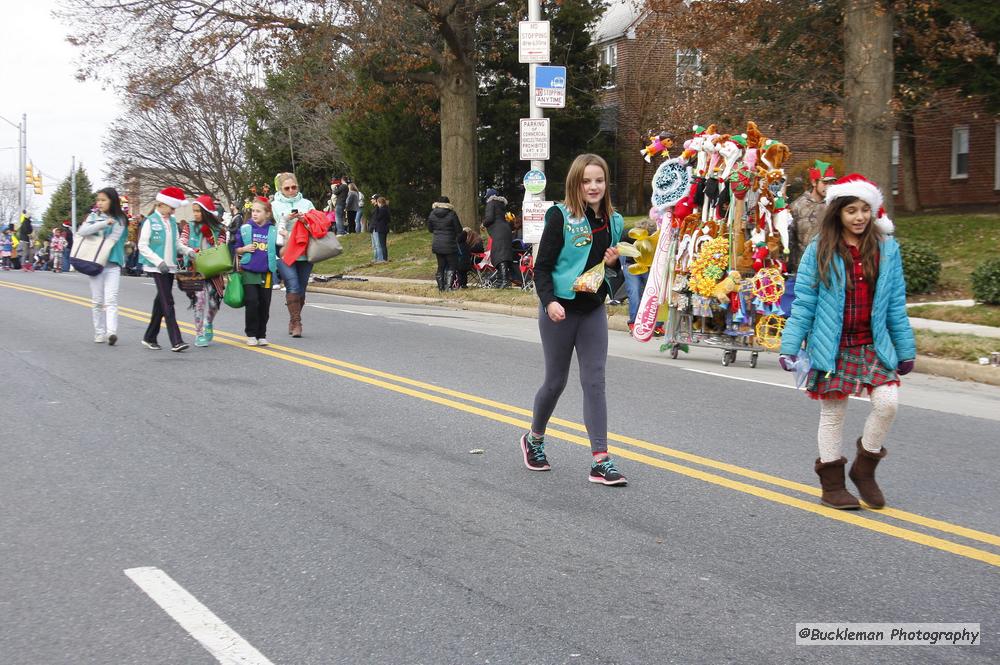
x,y
895,162
960,152
996,158
609,59
688,68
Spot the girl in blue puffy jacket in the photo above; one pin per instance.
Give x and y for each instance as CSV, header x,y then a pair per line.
x,y
850,309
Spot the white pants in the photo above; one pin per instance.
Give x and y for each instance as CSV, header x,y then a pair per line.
x,y
104,299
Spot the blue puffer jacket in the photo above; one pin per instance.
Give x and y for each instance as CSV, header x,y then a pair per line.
x,y
818,311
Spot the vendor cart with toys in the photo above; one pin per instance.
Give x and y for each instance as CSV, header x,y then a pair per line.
x,y
720,252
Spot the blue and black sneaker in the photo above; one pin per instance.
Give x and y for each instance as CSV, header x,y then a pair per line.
x,y
605,472
533,451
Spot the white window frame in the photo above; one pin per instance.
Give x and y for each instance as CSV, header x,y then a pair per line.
x,y
956,134
688,77
609,58
895,163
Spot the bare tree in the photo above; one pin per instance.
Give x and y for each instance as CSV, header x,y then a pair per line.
x,y
192,137
9,212
156,43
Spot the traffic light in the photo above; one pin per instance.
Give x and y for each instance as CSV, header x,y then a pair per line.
x,y
37,182
29,175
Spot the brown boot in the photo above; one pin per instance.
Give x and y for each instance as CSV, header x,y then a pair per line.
x,y
294,303
863,474
831,478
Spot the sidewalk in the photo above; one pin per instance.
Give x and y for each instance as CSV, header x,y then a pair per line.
x,y
955,369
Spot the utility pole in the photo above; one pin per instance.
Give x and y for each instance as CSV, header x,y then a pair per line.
x,y
534,112
22,158
72,196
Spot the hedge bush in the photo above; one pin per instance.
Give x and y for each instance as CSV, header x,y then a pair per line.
x,y
921,266
986,282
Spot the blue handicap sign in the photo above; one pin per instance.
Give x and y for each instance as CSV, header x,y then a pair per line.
x,y
547,76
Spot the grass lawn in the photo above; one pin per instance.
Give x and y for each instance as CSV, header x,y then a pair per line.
x,y
956,347
983,315
962,241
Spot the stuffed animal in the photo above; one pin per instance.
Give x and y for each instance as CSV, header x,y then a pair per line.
x,y
781,220
657,144
775,154
729,285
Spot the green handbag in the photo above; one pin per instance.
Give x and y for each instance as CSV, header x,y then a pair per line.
x,y
234,295
214,261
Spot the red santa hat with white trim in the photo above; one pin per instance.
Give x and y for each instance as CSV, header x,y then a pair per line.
x,y
857,186
171,196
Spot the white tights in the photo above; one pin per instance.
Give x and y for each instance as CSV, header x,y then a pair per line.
x,y
831,422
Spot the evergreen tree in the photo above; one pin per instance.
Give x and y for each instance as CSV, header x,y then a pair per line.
x,y
60,205
503,97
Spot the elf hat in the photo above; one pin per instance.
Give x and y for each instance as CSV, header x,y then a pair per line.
x,y
822,171
206,203
857,186
171,196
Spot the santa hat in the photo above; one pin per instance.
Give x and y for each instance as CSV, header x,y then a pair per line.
x,y
206,203
171,196
857,186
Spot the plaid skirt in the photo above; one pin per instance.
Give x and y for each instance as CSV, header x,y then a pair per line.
x,y
858,371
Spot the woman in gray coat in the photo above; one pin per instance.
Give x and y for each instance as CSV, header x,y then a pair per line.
x,y
444,225
502,252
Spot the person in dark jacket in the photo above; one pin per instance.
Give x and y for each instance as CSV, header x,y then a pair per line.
x,y
444,225
380,229
502,253
469,243
340,205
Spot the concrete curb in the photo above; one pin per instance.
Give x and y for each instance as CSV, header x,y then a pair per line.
x,y
953,369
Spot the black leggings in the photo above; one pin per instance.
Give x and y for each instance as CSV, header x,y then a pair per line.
x,y
588,334
163,308
446,262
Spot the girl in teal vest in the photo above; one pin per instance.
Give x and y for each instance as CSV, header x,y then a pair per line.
x,y
579,234
258,265
850,308
110,221
159,247
204,232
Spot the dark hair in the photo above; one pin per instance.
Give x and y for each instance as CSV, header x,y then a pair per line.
x,y
830,241
442,199
116,203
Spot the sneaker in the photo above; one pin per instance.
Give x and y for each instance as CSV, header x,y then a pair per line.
x,y
251,341
606,473
99,339
631,328
201,340
179,347
262,341
534,454
153,346
112,339
209,332
658,331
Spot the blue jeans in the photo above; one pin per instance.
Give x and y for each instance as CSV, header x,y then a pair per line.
x,y
634,286
295,276
339,215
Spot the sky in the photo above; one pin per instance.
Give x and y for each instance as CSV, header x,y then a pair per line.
x,y
65,117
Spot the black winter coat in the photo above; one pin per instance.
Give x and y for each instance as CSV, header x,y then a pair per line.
x,y
443,223
380,220
499,230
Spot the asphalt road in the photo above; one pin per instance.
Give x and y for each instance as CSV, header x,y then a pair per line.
x,y
319,498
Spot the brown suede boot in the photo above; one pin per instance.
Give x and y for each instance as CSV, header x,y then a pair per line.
x,y
295,327
289,300
863,474
831,479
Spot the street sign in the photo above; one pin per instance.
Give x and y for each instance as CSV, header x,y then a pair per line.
x,y
550,87
533,220
534,138
533,41
534,182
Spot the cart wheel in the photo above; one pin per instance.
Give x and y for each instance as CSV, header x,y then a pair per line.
x,y
673,351
725,359
753,359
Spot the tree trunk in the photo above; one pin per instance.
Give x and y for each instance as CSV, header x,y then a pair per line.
x,y
908,162
868,78
459,168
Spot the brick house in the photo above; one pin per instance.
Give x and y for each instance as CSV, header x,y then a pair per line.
x,y
957,142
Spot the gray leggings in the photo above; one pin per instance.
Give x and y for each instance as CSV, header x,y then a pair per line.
x,y
588,334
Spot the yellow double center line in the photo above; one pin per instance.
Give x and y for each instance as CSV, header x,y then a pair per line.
x,y
498,411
